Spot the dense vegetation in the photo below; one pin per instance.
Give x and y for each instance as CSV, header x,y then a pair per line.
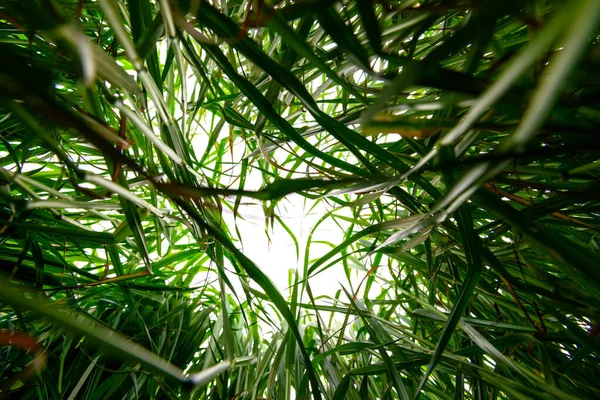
x,y
453,146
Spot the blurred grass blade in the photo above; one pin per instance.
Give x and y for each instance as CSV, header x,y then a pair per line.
x,y
344,37
208,374
113,73
584,20
370,23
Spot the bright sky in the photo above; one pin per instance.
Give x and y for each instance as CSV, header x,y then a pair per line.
x,y
277,256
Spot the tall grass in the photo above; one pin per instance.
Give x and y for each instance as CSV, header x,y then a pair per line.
x,y
454,144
